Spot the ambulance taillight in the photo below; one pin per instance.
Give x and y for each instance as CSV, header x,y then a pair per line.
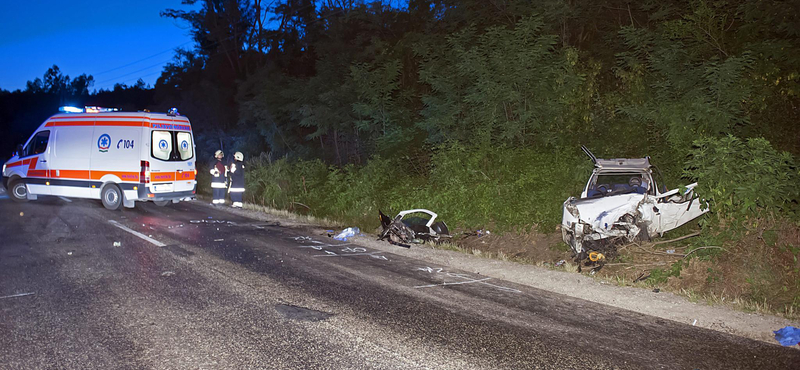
x,y
144,175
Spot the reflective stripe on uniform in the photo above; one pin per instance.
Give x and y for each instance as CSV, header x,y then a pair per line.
x,y
218,185
218,201
236,204
237,190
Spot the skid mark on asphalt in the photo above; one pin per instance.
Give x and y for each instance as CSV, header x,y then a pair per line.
x,y
346,250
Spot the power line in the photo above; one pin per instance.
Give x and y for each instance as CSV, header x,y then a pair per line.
x,y
136,71
143,59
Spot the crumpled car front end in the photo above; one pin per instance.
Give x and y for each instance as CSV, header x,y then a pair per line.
x,y
586,222
598,224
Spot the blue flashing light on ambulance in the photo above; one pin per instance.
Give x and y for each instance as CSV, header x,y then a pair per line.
x,y
102,153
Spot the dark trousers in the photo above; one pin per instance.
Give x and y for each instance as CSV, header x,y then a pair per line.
x,y
219,195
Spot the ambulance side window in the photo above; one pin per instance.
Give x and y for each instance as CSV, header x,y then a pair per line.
x,y
161,145
38,144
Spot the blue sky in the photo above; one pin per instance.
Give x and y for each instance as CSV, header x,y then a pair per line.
x,y
88,36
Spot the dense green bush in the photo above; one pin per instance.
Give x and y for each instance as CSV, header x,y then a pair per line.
x,y
744,177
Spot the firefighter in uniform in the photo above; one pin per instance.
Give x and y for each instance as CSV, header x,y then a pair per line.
x,y
237,180
219,175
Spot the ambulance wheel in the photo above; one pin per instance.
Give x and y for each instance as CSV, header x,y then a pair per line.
x,y
17,190
162,203
111,197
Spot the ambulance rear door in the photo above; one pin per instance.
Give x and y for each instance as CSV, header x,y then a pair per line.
x,y
171,156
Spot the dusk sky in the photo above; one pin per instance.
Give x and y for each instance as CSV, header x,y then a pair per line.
x,y
115,41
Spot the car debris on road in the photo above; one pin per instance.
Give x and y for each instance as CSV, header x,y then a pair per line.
x,y
625,199
420,226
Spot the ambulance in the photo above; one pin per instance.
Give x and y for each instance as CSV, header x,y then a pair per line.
x,y
101,153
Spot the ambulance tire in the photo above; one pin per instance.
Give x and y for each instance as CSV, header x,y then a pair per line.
x,y
111,197
162,203
17,190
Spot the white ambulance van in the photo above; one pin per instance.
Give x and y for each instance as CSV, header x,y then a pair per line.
x,y
117,157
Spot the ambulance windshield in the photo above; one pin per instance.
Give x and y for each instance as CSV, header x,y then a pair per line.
x,y
172,145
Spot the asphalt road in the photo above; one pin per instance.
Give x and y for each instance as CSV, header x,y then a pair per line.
x,y
202,288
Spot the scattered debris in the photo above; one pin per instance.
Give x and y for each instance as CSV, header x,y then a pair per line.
x,y
656,290
347,233
643,276
559,263
218,240
117,244
695,322
21,214
420,227
622,202
788,336
481,232
670,251
17,295
167,273
69,253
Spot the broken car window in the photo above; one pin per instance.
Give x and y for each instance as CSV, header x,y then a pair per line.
x,y
618,183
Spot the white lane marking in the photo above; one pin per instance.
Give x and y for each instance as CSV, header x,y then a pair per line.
x,y
333,254
17,295
140,235
467,280
457,283
66,199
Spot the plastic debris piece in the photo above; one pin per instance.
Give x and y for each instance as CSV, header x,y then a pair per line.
x,y
559,263
788,336
69,253
347,233
592,272
695,322
670,251
117,244
218,240
167,273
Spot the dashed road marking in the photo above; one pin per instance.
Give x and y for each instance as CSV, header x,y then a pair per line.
x,y
140,235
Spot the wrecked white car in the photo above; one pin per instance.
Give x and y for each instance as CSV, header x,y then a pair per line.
x,y
413,226
623,200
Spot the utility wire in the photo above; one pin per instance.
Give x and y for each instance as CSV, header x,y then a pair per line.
x,y
143,59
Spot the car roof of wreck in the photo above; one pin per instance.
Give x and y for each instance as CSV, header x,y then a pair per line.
x,y
623,163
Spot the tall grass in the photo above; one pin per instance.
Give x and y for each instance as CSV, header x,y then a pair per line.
x,y
469,188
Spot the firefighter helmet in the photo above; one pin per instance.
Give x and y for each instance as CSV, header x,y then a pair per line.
x,y
238,156
219,153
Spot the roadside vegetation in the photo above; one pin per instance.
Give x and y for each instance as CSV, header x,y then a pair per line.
x,y
476,109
